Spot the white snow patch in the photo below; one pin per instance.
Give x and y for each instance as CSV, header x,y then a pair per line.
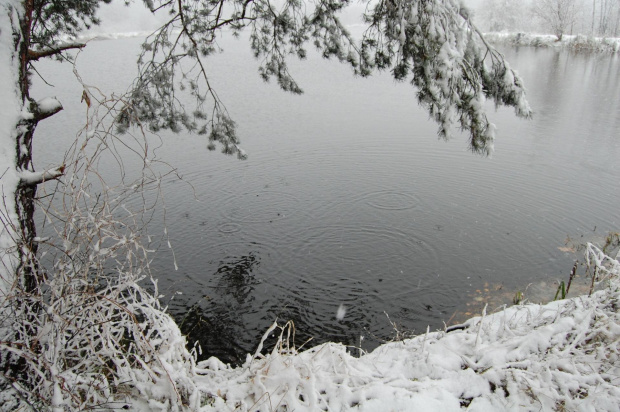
x,y
49,105
10,113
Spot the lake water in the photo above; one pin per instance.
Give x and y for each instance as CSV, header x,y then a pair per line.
x,y
348,197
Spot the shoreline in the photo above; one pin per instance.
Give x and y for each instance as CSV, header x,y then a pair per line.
x,y
579,42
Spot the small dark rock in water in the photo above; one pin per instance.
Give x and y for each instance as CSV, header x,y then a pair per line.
x,y
428,307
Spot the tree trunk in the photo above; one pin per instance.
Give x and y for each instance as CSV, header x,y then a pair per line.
x,y
27,272
11,40
19,183
601,23
593,16
20,276
25,193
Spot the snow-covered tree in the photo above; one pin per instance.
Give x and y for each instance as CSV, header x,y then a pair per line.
x,y
505,15
558,15
36,27
605,17
430,43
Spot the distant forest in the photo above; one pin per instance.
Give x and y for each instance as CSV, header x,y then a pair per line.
x,y
599,18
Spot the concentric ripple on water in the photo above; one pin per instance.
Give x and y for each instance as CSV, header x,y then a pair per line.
x,y
229,227
391,200
259,206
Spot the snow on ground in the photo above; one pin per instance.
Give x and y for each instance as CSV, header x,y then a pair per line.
x,y
578,42
558,356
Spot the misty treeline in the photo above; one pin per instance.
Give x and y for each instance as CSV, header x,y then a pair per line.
x,y
599,18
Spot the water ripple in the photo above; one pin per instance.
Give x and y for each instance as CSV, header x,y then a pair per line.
x,y
390,200
229,227
259,206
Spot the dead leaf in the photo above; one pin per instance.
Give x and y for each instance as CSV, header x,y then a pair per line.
x,y
85,98
567,249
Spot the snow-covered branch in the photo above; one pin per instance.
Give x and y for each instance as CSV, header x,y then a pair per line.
x,y
46,107
26,177
34,55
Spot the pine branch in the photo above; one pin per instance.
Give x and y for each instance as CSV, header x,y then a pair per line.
x,y
34,55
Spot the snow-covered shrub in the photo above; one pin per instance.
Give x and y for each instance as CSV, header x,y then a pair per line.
x,y
587,43
576,43
92,333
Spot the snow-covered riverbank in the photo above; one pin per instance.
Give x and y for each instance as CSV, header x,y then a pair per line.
x,y
583,43
558,356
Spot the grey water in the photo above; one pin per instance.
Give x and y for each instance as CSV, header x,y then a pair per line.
x,y
349,198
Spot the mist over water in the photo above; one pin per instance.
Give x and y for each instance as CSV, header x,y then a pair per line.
x,y
348,197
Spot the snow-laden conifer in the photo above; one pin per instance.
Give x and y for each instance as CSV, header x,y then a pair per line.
x,y
431,43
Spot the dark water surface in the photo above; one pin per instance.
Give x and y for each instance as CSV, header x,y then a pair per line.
x,y
348,197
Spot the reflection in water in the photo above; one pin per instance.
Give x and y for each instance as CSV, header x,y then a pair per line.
x,y
236,277
215,321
